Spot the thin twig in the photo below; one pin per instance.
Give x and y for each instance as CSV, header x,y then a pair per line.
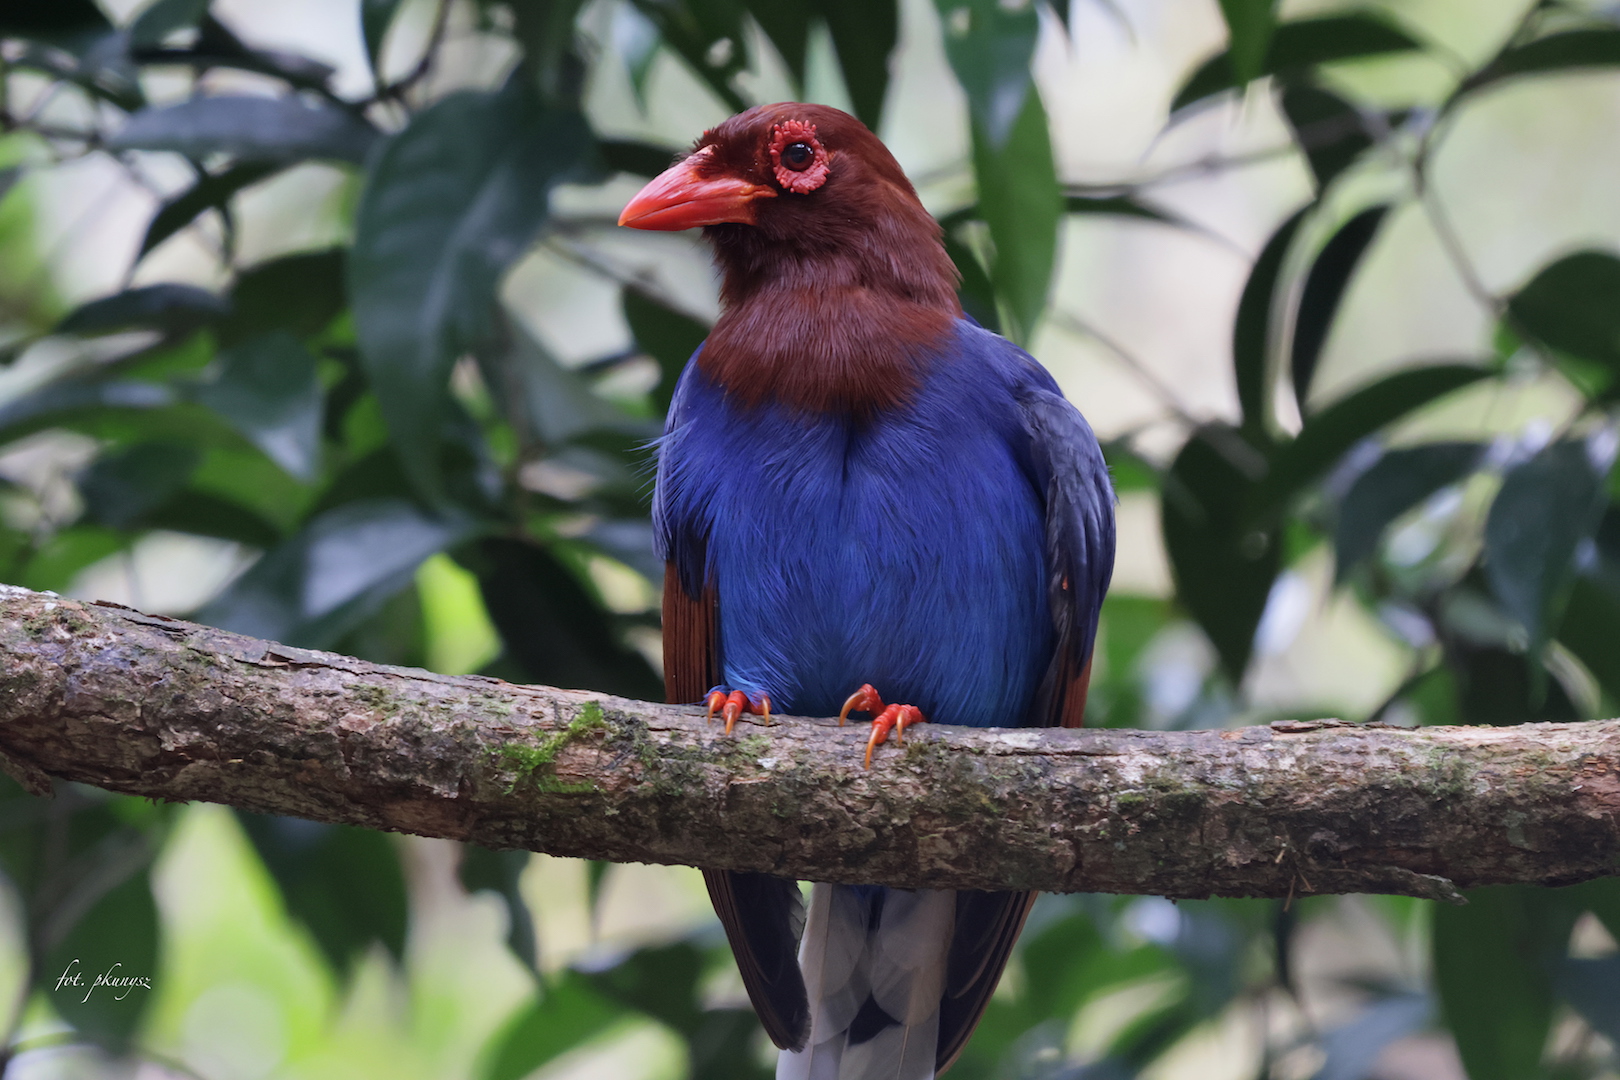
x,y
1167,398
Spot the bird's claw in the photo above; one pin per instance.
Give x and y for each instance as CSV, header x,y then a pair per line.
x,y
885,718
733,704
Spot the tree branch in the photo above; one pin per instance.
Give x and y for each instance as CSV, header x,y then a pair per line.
x,y
156,707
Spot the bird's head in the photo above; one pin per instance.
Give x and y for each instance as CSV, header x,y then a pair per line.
x,y
801,196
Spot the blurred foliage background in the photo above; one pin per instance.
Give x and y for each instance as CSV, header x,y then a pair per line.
x,y
314,325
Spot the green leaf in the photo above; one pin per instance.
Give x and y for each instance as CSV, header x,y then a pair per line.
x,y
864,32
1324,288
172,309
1566,51
114,944
345,884
554,630
63,402
1587,629
281,130
1330,130
119,489
668,336
1398,481
1250,25
59,560
1251,330
300,294
1296,46
1021,202
340,568
452,201
210,192
990,45
499,872
1546,507
269,390
569,1015
1492,959
376,16
1330,433
1573,305
558,406
977,295
1223,565
163,18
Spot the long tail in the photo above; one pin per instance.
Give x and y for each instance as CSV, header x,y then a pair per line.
x,y
874,962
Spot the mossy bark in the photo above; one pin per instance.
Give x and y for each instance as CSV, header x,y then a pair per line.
x,y
166,709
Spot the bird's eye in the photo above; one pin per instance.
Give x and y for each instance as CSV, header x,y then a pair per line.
x,y
798,157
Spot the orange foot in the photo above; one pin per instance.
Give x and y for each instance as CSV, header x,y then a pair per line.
x,y
734,703
885,718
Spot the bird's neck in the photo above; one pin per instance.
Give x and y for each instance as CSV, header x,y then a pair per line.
x,y
835,333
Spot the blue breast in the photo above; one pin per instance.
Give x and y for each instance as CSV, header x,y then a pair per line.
x,y
905,549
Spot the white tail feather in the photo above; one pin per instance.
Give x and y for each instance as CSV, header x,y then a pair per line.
x,y
900,965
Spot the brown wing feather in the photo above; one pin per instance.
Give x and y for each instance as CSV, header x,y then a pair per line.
x,y
762,915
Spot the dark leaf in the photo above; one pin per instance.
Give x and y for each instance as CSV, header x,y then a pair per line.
x,y
115,942
1571,49
977,295
707,34
1547,506
452,201
1021,202
217,47
1251,330
173,309
553,628
344,884
1330,433
1492,958
210,192
203,514
1324,288
787,24
1120,205
1296,46
569,1015
376,16
59,403
300,294
1223,566
667,335
1593,988
1398,481
268,389
119,489
1573,305
499,872
163,18
638,158
1249,24
864,32
1330,130
318,585
62,22
989,45
284,129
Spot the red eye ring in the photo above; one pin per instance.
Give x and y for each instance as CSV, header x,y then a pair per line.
x,y
797,173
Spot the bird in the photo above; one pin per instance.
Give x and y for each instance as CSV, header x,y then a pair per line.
x,y
865,501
